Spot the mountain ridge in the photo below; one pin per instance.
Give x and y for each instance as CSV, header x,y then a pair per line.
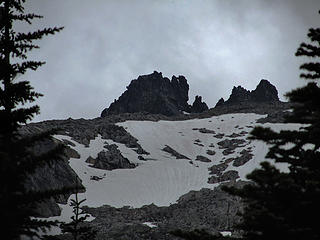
x,y
135,159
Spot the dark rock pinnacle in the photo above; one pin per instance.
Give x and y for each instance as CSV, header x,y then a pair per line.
x,y
155,94
265,92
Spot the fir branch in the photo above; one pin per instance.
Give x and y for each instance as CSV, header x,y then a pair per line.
x,y
25,17
314,34
308,50
28,37
22,115
310,76
20,92
311,67
24,66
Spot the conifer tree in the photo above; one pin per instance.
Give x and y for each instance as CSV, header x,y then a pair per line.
x,y
286,205
76,227
17,160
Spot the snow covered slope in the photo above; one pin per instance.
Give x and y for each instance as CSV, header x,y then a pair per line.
x,y
161,178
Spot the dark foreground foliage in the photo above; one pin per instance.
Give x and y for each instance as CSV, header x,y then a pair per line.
x,y
17,160
285,205
76,227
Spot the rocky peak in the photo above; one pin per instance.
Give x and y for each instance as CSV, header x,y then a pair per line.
x,y
239,94
220,102
154,94
198,106
264,92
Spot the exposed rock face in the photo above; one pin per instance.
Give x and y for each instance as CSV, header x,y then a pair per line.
x,y
220,102
239,94
264,92
198,106
231,175
211,210
55,175
155,94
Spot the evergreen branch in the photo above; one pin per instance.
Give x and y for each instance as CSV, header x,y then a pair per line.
x,y
311,67
314,34
308,50
306,96
20,50
20,92
28,37
22,115
310,76
24,66
25,17
17,5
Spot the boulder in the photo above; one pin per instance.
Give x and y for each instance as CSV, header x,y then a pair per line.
x,y
174,153
111,159
202,158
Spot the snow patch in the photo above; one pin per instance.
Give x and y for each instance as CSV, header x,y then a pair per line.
x,y
150,224
164,179
226,233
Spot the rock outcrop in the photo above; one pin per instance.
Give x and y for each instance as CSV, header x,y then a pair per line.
x,y
265,92
198,106
211,210
155,94
111,159
174,153
56,175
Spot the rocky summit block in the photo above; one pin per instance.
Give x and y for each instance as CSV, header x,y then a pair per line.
x,y
265,92
155,94
198,106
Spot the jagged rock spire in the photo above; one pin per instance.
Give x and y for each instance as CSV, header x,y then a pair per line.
x,y
264,92
155,94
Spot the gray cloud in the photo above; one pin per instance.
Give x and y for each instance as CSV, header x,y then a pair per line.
x,y
216,44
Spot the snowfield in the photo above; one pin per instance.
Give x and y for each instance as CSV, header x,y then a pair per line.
x,y
162,178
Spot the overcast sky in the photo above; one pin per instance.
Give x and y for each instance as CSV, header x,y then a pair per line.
x,y
215,44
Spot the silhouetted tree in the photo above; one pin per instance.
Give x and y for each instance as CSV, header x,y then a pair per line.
x,y
17,160
286,205
76,227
